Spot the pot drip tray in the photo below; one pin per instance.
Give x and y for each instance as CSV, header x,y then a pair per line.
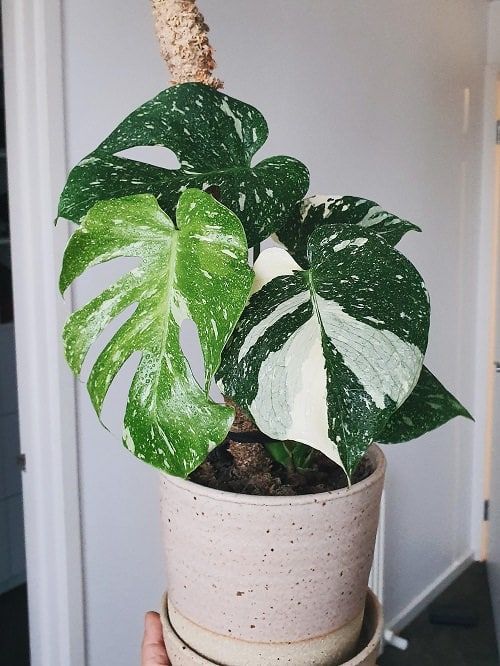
x,y
181,654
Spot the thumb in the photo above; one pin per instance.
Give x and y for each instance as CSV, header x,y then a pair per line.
x,y
153,647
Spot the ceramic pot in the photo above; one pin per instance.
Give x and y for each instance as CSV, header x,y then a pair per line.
x,y
270,580
366,653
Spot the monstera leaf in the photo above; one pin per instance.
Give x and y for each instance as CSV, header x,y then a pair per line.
x,y
325,356
429,406
317,210
197,270
215,137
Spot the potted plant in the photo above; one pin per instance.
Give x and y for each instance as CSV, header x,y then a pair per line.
x,y
269,518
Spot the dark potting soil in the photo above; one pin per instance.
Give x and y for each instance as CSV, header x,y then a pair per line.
x,y
247,468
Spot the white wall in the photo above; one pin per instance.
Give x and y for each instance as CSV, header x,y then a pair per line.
x,y
494,33
111,66
370,96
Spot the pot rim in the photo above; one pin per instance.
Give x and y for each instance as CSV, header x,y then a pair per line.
x,y
374,453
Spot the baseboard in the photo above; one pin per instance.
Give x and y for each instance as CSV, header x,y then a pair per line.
x,y
429,593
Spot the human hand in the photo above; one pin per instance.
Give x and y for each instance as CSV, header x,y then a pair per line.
x,y
153,651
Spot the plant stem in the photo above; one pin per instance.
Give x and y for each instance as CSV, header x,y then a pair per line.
x,y
184,45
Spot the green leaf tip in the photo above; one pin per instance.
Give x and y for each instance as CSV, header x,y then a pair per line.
x,y
428,407
294,455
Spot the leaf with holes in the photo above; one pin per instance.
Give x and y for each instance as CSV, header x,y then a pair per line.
x,y
215,137
318,210
197,270
325,356
429,406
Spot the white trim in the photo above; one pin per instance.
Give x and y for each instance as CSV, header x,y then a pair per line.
x,y
428,594
36,164
376,581
484,315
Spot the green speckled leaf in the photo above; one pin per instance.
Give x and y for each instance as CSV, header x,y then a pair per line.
x,y
325,356
429,406
214,137
317,210
196,270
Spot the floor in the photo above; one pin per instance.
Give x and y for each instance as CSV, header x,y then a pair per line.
x,y
430,644
14,650
447,645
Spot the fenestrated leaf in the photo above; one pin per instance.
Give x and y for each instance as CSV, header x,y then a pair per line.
x,y
317,210
325,356
197,270
215,137
429,406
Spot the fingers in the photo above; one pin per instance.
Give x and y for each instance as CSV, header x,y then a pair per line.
x,y
153,647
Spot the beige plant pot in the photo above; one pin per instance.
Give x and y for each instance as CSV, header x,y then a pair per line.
x,y
270,580
366,652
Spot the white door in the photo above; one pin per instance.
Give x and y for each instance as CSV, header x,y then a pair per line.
x,y
494,512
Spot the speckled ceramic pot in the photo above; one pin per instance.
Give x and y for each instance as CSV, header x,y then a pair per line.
x,y
366,655
270,580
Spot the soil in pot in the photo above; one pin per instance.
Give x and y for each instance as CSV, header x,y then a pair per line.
x,y
247,468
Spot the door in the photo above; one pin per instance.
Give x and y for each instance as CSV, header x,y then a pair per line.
x,y
35,131
494,512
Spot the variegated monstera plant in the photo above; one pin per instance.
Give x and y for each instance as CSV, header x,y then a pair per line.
x,y
322,343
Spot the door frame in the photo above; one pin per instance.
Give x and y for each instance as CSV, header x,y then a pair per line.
x,y
36,159
488,272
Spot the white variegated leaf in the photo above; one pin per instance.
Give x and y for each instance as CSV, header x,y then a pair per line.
x,y
196,270
316,210
215,138
324,356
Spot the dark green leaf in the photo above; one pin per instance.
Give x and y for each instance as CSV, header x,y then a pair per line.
x,y
301,455
280,452
317,210
293,455
215,137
